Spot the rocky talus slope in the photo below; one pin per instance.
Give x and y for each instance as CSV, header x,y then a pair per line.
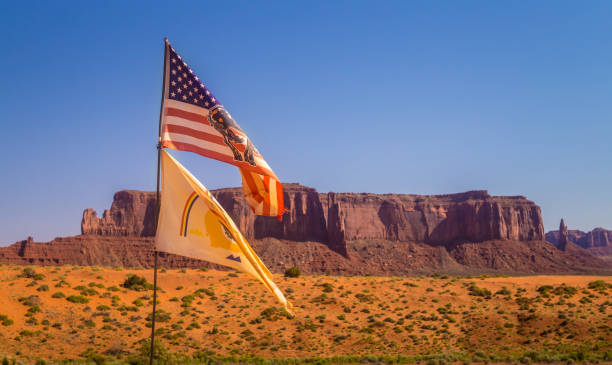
x,y
342,233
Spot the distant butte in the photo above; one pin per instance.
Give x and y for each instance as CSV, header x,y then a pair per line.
x,y
598,241
342,233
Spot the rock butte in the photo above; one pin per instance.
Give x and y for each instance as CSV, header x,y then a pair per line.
x,y
597,241
344,233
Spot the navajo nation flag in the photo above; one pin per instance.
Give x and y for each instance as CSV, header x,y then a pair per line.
x,y
194,120
193,224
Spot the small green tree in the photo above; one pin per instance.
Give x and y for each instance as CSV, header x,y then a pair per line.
x,y
135,282
160,352
293,272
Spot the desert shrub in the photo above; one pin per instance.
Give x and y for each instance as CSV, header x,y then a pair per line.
x,y
30,300
479,292
62,283
58,294
565,290
365,298
103,307
86,291
93,357
160,353
160,316
26,333
29,273
599,285
274,313
34,309
323,299
503,291
327,288
193,325
5,320
293,272
77,299
545,289
43,287
89,323
138,283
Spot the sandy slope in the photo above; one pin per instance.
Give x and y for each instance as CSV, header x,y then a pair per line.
x,y
334,315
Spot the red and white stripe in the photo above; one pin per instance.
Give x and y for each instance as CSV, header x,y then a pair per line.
x,y
186,127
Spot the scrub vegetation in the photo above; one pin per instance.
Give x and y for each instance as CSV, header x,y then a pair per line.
x,y
103,315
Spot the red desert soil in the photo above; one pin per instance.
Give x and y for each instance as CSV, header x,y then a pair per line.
x,y
229,313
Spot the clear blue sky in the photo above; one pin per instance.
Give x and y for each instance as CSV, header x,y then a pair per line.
x,y
381,96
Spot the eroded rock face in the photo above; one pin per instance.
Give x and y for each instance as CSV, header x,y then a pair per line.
x,y
598,237
131,214
340,233
338,218
473,216
563,236
573,235
598,241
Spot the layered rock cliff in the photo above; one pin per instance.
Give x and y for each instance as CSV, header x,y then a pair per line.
x,y
597,241
338,218
339,233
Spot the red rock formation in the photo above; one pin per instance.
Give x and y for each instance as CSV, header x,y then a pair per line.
x,y
131,214
563,236
388,234
365,257
338,218
598,237
573,235
598,241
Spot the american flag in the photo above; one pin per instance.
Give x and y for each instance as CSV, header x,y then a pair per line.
x,y
195,120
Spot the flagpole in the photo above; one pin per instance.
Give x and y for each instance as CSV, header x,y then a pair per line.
x,y
158,201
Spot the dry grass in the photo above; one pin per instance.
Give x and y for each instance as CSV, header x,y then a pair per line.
x,y
74,312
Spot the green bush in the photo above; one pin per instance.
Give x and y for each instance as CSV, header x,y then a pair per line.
x,y
58,294
160,316
293,272
160,353
29,273
599,285
138,283
77,299
43,287
274,313
479,292
5,320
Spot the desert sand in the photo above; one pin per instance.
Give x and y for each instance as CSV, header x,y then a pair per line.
x,y
223,313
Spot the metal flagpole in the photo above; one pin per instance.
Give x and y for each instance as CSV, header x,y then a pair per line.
x,y
158,200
